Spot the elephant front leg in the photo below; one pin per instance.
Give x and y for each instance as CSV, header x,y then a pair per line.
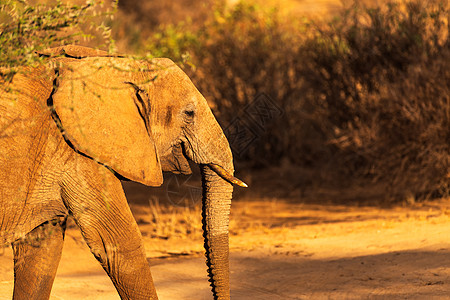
x,y
121,255
99,207
36,259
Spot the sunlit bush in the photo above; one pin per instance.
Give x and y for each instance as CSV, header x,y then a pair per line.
x,y
26,27
364,96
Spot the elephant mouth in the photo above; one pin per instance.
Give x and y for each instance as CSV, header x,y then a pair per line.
x,y
176,161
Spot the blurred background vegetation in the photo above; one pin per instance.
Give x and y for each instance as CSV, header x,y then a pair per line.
x,y
361,89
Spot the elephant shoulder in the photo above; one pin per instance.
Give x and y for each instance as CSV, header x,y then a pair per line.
x,y
26,85
23,96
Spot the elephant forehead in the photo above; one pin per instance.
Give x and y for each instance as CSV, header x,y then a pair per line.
x,y
173,89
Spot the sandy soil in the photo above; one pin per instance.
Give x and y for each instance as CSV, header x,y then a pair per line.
x,y
282,250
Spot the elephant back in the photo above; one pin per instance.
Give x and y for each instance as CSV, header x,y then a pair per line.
x,y
75,51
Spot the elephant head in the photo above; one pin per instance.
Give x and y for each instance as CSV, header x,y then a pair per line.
x,y
140,118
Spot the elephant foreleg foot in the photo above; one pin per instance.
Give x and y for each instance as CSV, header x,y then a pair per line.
x,y
36,259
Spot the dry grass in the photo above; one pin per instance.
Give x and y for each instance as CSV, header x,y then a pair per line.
x,y
184,222
173,221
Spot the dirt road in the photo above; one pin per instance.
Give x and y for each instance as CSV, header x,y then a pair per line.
x,y
283,250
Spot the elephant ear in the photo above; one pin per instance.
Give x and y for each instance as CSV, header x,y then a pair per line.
x,y
102,116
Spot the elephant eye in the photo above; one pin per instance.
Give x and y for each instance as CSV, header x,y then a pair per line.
x,y
189,113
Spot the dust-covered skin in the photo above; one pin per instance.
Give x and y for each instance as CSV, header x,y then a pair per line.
x,y
69,129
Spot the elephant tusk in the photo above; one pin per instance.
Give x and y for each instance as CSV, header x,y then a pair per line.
x,y
227,176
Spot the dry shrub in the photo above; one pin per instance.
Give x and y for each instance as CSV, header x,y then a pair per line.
x,y
26,27
413,117
363,96
379,86
152,13
402,134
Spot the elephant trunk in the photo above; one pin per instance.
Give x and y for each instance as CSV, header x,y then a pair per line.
x,y
217,195
210,149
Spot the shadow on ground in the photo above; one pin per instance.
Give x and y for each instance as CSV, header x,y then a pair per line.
x,y
395,275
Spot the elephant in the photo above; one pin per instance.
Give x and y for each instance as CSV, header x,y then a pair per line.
x,y
75,125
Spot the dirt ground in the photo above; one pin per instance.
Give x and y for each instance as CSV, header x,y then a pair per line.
x,y
280,249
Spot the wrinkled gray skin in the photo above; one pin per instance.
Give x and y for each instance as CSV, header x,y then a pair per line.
x,y
51,167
